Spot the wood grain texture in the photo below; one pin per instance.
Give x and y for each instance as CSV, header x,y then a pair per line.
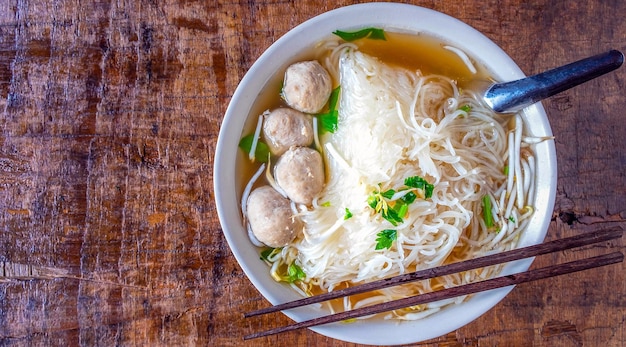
x,y
110,112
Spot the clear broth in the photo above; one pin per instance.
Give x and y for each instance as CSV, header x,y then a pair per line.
x,y
422,52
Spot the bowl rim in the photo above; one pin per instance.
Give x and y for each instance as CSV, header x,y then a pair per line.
x,y
402,17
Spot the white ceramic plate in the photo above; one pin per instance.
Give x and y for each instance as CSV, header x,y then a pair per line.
x,y
277,57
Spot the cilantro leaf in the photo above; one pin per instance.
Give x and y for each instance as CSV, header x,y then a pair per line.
x,y
428,191
385,238
392,216
420,183
409,198
372,200
388,194
372,33
395,210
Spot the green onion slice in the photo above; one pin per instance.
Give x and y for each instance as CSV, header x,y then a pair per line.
x,y
370,33
487,215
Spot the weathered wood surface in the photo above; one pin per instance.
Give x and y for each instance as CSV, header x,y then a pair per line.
x,y
110,112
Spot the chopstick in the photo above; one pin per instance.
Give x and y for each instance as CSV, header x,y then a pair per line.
x,y
489,260
498,282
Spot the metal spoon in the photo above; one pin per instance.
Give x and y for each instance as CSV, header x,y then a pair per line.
x,y
513,96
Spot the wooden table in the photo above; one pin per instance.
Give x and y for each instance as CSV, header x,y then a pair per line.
x,y
110,112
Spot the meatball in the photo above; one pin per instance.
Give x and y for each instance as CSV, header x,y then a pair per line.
x,y
307,86
300,173
285,127
270,217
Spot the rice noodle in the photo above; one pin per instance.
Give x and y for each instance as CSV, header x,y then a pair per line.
x,y
466,60
396,123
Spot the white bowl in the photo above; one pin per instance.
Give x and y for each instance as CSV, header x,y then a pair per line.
x,y
277,57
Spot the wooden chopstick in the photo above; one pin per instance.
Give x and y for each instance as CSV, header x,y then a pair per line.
x,y
498,282
493,259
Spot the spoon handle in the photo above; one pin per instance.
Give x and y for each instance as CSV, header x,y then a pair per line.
x,y
514,96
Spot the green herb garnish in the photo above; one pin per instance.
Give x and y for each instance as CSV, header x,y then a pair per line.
x,y
487,215
371,33
373,200
267,253
261,152
294,273
330,119
392,215
334,97
348,214
395,210
291,274
388,194
385,238
409,197
402,208
379,203
328,122
466,108
420,183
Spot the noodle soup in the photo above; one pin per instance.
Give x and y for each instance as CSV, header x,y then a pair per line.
x,y
419,173
298,45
